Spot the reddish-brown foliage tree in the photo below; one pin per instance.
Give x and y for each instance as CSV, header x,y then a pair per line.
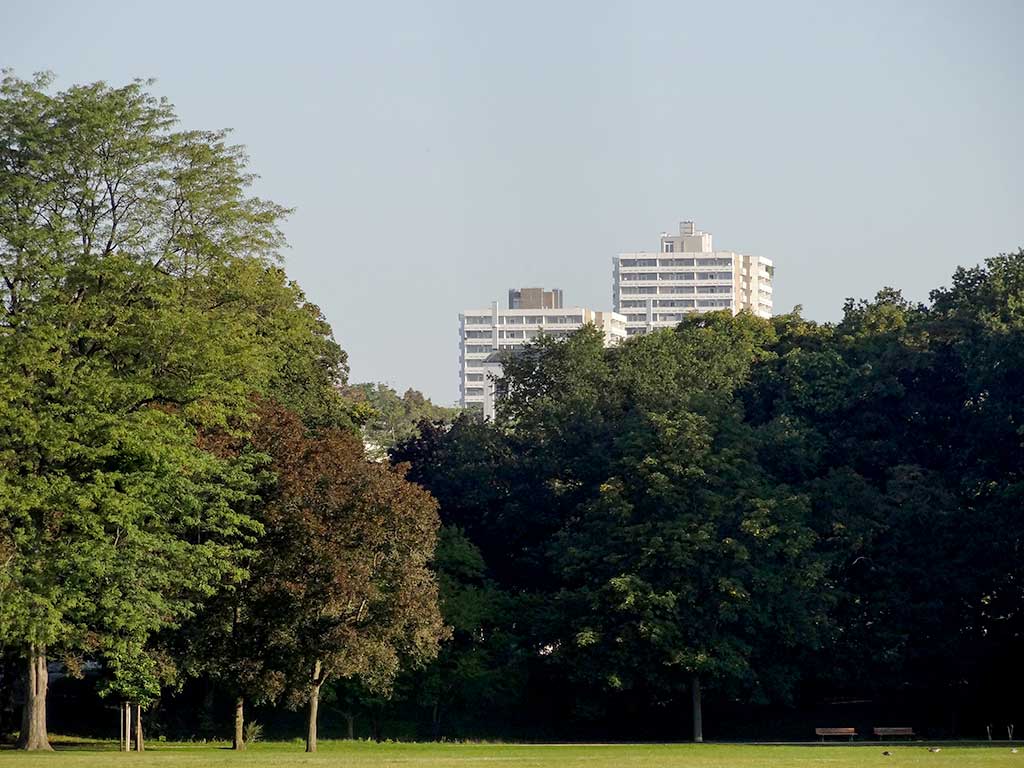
x,y
343,582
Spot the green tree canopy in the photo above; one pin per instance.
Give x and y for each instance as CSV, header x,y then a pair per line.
x,y
141,306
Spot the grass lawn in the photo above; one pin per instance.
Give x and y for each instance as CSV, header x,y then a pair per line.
x,y
338,753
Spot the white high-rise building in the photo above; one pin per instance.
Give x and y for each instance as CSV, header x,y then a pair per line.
x,y
487,335
655,290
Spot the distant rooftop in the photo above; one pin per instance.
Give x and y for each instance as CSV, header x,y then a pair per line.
x,y
534,298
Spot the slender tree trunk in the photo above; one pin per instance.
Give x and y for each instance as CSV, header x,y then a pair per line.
x,y
129,741
140,745
123,722
33,715
698,725
239,741
314,705
435,721
350,725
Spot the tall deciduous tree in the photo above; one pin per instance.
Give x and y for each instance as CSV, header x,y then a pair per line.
x,y
134,269
343,580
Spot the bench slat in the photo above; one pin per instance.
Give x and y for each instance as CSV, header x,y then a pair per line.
x,y
823,732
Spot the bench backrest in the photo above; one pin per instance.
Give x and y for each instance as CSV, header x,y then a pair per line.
x,y
836,731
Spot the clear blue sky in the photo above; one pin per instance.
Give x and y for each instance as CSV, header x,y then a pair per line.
x,y
438,153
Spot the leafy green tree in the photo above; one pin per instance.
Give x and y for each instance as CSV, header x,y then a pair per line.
x,y
134,274
685,562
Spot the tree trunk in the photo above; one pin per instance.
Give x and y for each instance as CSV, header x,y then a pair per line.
x,y
126,727
140,745
350,725
33,715
239,741
435,721
698,725
314,705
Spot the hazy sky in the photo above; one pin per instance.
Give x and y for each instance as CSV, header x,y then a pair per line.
x,y
439,153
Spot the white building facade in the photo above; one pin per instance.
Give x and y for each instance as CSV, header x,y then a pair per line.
x,y
655,290
487,335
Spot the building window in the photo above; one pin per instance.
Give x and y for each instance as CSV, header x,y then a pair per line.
x,y
669,246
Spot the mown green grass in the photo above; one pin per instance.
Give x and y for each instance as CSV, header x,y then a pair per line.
x,y
369,755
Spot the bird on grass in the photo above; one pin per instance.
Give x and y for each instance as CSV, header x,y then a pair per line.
x,y
934,749
887,753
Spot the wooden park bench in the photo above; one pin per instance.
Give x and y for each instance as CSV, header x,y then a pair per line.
x,y
823,732
886,732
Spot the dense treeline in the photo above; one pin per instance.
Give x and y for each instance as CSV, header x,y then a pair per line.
x,y
763,511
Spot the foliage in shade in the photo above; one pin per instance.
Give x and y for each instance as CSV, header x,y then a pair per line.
x,y
777,506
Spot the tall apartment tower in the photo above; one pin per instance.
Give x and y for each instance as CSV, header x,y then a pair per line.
x,y
486,336
655,290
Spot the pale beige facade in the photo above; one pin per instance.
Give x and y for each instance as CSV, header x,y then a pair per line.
x,y
487,335
686,275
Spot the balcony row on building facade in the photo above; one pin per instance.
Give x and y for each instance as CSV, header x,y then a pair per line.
x,y
486,336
